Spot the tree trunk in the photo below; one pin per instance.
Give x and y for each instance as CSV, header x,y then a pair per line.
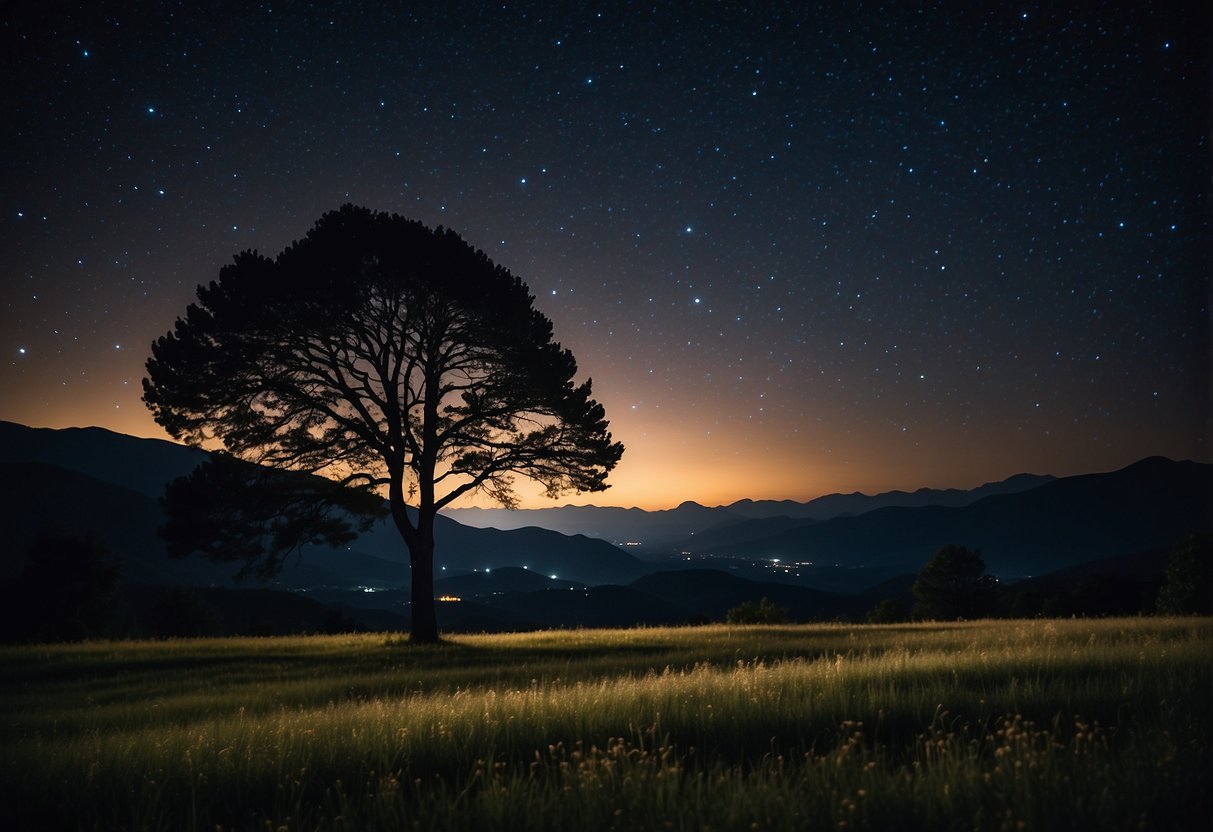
x,y
425,618
420,542
421,558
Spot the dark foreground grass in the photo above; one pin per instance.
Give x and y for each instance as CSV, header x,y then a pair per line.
x,y
989,725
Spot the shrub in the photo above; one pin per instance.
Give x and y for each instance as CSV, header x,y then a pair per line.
x,y
757,612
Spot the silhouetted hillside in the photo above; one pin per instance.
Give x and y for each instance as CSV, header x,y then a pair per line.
x,y
732,533
1105,538
201,611
110,483
141,465
44,498
670,528
838,505
711,593
501,580
599,606
1147,505
618,525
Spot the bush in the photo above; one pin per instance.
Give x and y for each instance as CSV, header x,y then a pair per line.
x,y
757,612
67,591
1188,587
889,611
182,612
954,585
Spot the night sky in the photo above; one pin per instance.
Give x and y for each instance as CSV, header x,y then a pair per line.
x,y
799,249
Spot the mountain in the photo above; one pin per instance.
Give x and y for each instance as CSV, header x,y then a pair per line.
x,y
84,480
666,529
43,498
619,525
89,479
47,498
462,549
1147,505
1121,585
837,505
141,465
727,534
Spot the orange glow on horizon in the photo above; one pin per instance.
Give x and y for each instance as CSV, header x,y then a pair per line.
x,y
665,466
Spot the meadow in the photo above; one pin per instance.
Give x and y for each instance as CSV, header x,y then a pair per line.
x,y
1067,724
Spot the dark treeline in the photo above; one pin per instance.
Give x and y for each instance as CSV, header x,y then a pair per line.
x,y
71,589
953,585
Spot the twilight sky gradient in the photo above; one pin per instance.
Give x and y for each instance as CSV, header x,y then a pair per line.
x,y
800,249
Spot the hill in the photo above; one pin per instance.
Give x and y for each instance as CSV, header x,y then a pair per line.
x,y
838,505
618,525
89,479
1111,531
140,465
659,531
1148,505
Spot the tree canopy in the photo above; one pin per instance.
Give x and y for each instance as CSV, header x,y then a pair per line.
x,y
67,590
1187,588
765,611
387,357
231,510
954,585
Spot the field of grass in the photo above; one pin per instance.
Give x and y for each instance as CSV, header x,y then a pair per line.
x,y
1076,724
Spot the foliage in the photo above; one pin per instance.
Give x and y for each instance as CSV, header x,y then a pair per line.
x,y
67,590
182,612
765,611
889,611
953,585
231,510
383,354
1048,724
1188,587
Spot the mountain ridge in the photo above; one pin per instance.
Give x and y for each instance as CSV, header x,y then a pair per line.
x,y
115,482
1022,525
1146,505
665,527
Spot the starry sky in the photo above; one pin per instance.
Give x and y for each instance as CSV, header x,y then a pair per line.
x,y
799,248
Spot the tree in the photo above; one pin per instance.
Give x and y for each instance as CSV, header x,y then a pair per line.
x,y
888,611
232,510
182,612
387,357
765,611
1187,588
68,590
953,585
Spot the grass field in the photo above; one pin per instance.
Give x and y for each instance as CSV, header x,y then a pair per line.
x,y
1075,724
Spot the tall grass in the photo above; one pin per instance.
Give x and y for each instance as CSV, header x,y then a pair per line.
x,y
987,725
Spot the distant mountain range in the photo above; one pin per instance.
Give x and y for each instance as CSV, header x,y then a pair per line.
x,y
92,480
668,527
826,558
1062,522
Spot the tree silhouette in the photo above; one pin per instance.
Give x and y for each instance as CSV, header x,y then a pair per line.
x,y
68,589
888,611
953,585
1187,588
383,355
232,510
765,611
